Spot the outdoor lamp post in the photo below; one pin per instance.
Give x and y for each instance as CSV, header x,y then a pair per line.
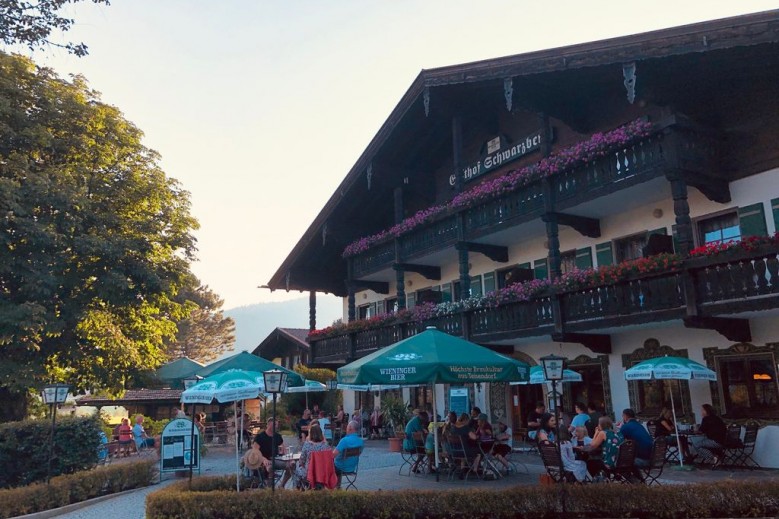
x,y
553,371
275,383
53,395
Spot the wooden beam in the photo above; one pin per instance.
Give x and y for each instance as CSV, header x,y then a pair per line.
x,y
380,287
736,330
715,189
585,226
494,252
428,271
595,342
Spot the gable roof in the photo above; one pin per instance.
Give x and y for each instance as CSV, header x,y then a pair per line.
x,y
726,33
295,337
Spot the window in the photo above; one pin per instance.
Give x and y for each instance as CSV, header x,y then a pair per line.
x,y
568,261
489,282
631,247
476,286
749,386
411,300
367,311
446,293
391,305
723,228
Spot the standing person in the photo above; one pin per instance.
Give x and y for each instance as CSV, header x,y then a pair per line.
x,y
581,417
534,420
712,447
376,420
265,440
351,440
340,416
594,414
632,430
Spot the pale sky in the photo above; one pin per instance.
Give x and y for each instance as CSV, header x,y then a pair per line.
x,y
261,108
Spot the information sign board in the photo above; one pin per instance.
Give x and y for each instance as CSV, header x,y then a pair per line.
x,y
180,446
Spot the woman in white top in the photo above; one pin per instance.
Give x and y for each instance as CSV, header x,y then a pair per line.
x,y
577,467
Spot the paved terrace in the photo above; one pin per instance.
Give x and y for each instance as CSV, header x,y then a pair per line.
x,y
378,470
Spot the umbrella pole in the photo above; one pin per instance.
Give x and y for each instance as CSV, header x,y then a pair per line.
x,y
676,428
191,446
237,460
435,435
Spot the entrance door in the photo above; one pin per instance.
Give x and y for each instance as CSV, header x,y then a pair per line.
x,y
523,400
589,390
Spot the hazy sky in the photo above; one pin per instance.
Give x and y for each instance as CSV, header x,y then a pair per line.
x,y
260,108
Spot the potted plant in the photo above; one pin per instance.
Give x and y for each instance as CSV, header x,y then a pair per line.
x,y
394,410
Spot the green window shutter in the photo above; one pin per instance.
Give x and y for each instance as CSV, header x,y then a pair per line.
x,y
604,254
526,266
584,258
661,230
489,282
775,210
411,300
751,219
476,286
541,269
446,293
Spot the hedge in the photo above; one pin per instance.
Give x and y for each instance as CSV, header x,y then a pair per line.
x,y
212,498
24,449
73,488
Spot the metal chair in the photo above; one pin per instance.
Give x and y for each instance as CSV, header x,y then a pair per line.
x,y
624,471
651,473
421,464
733,445
406,456
742,455
351,476
553,463
460,457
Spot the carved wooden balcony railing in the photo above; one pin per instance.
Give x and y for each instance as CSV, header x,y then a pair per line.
x,y
672,148
723,285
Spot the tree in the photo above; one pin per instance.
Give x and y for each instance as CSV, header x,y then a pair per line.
x,y
31,23
95,240
206,333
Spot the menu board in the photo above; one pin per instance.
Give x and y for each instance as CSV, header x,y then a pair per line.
x,y
180,446
458,400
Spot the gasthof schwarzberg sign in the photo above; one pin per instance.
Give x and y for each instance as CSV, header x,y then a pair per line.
x,y
509,153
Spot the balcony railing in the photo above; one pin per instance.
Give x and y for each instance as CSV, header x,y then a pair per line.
x,y
721,285
674,147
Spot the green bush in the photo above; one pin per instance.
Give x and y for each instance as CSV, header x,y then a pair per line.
x,y
216,498
73,488
24,449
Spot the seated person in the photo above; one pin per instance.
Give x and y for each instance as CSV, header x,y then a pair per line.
x,y
462,429
484,428
581,436
576,467
632,430
417,424
546,429
125,433
254,461
139,434
350,440
324,422
664,426
302,425
503,444
534,420
711,448
608,441
314,443
265,440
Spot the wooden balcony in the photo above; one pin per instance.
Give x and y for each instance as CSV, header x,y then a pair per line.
x,y
709,287
671,148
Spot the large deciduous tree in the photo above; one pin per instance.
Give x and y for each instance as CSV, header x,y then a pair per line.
x,y
32,22
206,333
95,240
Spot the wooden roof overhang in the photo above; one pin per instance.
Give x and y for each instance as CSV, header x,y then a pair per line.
x,y
281,342
679,66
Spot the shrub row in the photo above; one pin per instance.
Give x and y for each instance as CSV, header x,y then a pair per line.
x,y
24,449
212,498
74,488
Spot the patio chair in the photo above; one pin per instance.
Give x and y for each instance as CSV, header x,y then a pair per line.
x,y
462,459
733,445
421,464
651,473
351,476
406,456
624,471
742,456
553,463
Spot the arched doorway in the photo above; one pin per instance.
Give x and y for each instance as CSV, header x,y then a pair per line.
x,y
523,397
595,387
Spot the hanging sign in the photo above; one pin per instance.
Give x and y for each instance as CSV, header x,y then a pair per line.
x,y
500,154
180,449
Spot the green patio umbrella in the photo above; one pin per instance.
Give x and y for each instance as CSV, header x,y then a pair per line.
x,y
248,362
176,371
433,357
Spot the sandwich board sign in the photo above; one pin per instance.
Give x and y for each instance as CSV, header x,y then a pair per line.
x,y
180,449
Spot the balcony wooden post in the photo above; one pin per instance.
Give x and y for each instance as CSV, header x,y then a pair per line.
x,y
312,310
682,213
552,230
400,279
457,152
463,260
350,306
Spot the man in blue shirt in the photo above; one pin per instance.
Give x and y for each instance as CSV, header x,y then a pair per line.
x,y
351,440
632,430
